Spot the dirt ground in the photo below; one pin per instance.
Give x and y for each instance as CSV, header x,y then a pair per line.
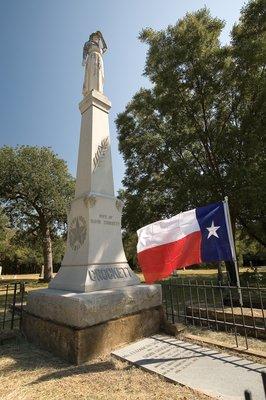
x,y
28,373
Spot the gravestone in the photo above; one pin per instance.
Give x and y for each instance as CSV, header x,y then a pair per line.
x,y
218,375
95,285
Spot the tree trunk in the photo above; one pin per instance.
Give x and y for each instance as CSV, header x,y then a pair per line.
x,y
220,274
47,254
231,272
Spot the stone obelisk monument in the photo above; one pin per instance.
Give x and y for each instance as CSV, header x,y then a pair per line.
x,y
95,293
95,257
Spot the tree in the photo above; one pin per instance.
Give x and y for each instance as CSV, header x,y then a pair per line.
x,y
188,140
20,254
35,190
3,230
249,54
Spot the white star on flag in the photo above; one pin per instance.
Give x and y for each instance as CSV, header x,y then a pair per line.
x,y
212,230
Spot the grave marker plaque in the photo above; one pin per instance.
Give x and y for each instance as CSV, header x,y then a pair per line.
x,y
219,375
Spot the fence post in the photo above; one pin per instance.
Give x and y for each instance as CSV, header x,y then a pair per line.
x,y
206,304
251,308
22,292
198,299
214,305
191,302
184,302
172,303
222,304
13,305
6,297
262,306
233,314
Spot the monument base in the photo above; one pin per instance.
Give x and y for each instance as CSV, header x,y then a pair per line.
x,y
80,345
81,326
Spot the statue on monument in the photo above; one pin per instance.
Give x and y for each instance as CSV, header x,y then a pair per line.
x,y
93,63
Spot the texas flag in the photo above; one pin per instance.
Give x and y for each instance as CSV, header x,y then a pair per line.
x,y
192,237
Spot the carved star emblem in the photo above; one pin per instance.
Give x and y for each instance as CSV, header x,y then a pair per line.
x,y
213,230
77,232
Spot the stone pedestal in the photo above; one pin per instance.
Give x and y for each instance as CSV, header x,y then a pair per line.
x,y
80,326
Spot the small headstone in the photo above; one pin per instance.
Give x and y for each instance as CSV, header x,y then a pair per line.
x,y
221,376
0,269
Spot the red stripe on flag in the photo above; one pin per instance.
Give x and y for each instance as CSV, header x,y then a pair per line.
x,y
160,261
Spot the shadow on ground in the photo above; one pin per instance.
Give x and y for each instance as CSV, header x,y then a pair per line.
x,y
27,357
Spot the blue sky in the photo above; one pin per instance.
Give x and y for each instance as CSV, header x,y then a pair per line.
x,y
40,63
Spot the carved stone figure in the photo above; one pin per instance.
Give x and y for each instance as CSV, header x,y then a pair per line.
x,y
93,62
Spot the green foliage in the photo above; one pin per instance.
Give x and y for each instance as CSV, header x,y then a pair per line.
x,y
248,247
3,230
251,277
34,184
35,191
19,252
59,247
197,134
130,243
23,253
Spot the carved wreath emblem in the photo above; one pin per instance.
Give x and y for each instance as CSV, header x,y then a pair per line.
x,y
101,152
89,200
77,232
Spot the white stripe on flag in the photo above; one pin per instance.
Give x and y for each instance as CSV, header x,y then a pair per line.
x,y
167,230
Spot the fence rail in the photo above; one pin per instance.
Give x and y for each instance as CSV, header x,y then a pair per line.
x,y
11,305
217,307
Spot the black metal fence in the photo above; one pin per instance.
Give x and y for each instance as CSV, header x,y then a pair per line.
x,y
11,305
217,307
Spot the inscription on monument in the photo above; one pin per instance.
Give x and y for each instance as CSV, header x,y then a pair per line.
x,y
105,220
107,273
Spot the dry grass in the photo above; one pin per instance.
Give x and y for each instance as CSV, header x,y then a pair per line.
x,y
228,339
28,373
21,277
186,273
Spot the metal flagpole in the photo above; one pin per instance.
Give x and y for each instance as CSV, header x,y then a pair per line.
x,y
232,245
